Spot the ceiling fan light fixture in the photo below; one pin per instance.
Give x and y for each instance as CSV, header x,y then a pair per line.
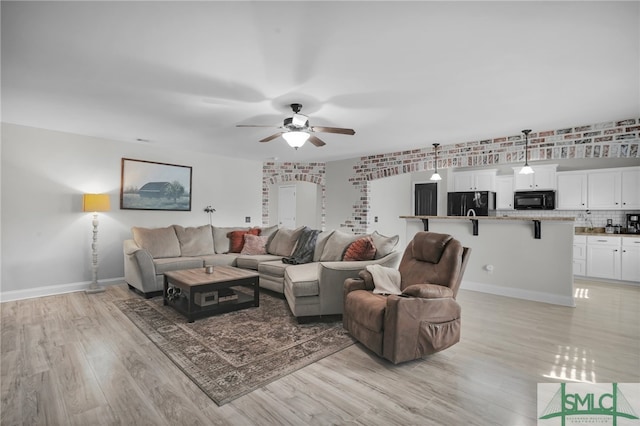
x,y
295,139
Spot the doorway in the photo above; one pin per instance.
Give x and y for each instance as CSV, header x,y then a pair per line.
x,y
425,196
287,206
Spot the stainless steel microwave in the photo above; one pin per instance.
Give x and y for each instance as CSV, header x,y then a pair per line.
x,y
534,200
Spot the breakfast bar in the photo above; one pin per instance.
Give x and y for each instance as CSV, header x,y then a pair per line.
x,y
526,257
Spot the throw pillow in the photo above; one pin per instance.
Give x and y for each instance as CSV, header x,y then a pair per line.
x,y
220,239
236,239
254,244
195,241
270,230
360,249
283,242
335,245
386,280
384,245
159,242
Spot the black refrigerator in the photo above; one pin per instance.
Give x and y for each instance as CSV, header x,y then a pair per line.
x,y
473,203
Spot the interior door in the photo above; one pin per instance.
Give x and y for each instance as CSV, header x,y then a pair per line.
x,y
287,206
426,199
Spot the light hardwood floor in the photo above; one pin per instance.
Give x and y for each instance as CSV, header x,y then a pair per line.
x,y
75,359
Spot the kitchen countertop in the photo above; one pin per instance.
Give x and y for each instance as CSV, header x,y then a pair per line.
x,y
517,218
600,233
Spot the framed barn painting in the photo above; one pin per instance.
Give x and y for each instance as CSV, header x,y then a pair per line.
x,y
147,185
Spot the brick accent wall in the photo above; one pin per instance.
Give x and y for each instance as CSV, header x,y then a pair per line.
x,y
273,173
612,139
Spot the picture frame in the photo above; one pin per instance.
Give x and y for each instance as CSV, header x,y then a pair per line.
x,y
149,185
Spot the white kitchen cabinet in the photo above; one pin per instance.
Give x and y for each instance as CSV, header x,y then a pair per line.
x,y
614,189
603,257
475,180
572,191
604,189
630,259
504,192
542,178
630,188
580,255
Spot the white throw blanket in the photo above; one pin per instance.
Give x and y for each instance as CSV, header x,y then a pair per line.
x,y
386,280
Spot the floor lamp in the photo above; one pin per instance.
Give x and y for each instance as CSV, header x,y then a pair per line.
x,y
95,203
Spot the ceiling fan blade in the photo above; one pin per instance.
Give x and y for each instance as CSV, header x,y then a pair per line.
x,y
316,141
254,125
333,130
270,138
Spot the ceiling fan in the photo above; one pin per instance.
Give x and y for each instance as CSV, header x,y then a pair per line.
x,y
296,130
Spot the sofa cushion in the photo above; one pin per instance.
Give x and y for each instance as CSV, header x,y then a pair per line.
x,y
175,263
303,279
336,244
195,241
252,261
220,239
236,239
254,244
159,242
321,241
360,249
268,231
273,268
284,241
222,259
384,245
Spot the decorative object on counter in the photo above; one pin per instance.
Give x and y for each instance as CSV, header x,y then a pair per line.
x,y
209,210
609,228
208,269
526,170
95,203
436,176
633,223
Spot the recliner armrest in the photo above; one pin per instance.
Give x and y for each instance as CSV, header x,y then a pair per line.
x,y
428,291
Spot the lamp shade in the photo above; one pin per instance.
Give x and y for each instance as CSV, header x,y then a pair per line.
x,y
95,203
296,139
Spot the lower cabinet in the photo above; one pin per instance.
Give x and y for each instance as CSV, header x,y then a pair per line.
x,y
630,263
580,255
603,257
614,258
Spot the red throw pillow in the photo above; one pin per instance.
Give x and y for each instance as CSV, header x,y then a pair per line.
x,y
360,249
236,239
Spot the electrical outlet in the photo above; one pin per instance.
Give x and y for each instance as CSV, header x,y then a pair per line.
x,y
375,219
247,219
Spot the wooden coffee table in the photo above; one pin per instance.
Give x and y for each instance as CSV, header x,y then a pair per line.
x,y
197,294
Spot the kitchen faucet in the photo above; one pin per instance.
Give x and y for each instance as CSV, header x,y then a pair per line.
x,y
471,212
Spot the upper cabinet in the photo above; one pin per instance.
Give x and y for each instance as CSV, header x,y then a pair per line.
x,y
475,180
544,177
611,189
572,191
504,192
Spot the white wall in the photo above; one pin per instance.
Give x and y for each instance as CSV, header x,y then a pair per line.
x,y
391,198
45,235
341,195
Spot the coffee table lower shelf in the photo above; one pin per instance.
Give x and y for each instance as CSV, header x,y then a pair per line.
x,y
186,285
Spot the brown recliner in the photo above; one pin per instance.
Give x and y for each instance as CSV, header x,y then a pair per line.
x,y
425,318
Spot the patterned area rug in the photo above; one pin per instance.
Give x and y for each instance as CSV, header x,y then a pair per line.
x,y
231,354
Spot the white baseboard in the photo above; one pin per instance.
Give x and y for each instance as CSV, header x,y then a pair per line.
x,y
8,296
517,293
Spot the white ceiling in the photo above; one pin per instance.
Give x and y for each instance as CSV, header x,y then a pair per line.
x,y
402,74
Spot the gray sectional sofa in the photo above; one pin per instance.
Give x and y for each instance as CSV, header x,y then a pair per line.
x,y
311,289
